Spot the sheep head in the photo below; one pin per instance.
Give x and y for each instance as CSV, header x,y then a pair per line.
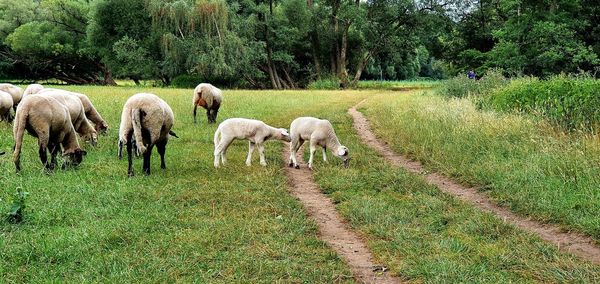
x,y
73,157
343,153
101,127
284,135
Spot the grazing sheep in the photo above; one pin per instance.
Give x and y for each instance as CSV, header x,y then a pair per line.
x,y
32,90
147,119
209,97
48,120
14,91
90,111
320,133
256,131
78,118
6,104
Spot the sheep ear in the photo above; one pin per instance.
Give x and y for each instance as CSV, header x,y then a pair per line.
x,y
342,151
284,132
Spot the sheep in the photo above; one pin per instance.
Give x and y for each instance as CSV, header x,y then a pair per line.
x,y
32,89
256,131
76,111
209,97
147,119
320,133
14,91
48,120
90,111
6,104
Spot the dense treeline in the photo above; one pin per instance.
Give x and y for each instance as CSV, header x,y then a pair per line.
x,y
289,43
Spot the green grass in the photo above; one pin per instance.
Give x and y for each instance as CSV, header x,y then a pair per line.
x,y
524,164
239,224
398,85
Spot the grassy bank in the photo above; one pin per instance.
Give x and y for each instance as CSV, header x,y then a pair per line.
x,y
523,163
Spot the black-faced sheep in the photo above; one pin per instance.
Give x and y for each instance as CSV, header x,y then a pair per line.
x,y
319,132
78,118
15,91
147,119
255,131
48,120
209,97
6,105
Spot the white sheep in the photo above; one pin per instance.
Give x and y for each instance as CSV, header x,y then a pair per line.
x,y
15,91
147,119
32,89
209,97
6,104
255,131
76,111
48,120
319,132
90,111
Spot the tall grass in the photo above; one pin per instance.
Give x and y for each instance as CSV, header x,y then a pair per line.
x,y
569,102
524,164
461,86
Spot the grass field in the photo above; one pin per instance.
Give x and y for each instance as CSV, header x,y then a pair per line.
x,y
238,224
522,162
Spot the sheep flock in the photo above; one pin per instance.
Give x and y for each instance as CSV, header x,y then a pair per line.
x,y
60,119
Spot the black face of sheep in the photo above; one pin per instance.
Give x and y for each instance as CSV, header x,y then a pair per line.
x,y
73,159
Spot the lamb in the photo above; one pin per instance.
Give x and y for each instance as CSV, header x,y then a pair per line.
x,y
32,89
48,120
256,131
76,111
209,97
14,91
320,133
90,111
6,104
147,119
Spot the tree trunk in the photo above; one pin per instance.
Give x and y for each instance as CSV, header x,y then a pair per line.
x,y
361,66
108,79
335,48
314,39
343,72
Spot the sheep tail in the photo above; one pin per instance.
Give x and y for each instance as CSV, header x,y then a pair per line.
x,y
19,131
136,120
172,133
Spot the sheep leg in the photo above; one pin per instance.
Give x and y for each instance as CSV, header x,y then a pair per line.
x,y
313,149
147,155
161,147
130,157
224,152
324,154
17,157
54,148
261,152
294,149
195,108
208,117
44,156
250,150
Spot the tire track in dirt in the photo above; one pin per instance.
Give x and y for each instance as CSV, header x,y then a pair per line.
x,y
332,227
574,243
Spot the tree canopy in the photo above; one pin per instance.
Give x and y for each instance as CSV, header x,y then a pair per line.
x,y
289,43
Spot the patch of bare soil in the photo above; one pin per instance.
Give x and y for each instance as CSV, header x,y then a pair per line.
x,y
332,228
575,243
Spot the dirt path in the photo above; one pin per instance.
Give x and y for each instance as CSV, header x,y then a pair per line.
x,y
332,228
575,243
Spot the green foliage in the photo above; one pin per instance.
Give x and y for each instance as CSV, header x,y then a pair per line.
x,y
571,102
325,84
461,86
186,81
16,210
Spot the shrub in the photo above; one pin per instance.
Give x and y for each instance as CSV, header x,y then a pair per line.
x,y
325,84
461,86
17,208
186,81
571,102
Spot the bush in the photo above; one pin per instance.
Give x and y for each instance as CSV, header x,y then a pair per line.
x,y
186,81
570,102
461,86
325,84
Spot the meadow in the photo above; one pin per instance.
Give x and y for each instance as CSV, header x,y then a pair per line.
x,y
239,224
